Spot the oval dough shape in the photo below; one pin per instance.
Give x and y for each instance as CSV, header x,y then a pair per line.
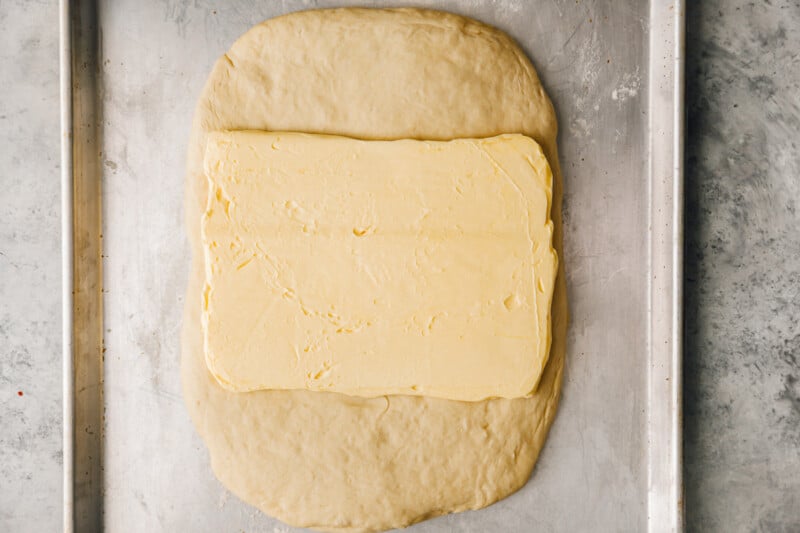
x,y
329,461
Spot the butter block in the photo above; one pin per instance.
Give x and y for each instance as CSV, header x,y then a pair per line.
x,y
377,267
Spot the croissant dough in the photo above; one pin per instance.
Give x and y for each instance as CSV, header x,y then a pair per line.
x,y
329,461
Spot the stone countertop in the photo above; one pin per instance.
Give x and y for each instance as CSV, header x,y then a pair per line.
x,y
30,269
742,288
742,267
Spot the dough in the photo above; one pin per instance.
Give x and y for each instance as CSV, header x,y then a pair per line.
x,y
329,461
377,267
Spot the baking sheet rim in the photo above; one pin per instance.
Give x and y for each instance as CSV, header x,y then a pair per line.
x,y
664,417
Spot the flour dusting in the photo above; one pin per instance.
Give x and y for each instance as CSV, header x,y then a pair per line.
x,y
628,87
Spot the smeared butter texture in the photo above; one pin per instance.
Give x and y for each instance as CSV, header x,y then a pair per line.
x,y
377,267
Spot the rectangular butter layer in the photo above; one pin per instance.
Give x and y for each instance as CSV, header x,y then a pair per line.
x,y
377,267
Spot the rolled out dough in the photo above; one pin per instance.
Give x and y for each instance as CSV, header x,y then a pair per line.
x,y
334,462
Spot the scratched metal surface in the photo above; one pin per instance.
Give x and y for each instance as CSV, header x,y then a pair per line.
x,y
140,68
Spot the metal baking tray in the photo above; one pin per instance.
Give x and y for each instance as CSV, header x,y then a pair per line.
x,y
131,73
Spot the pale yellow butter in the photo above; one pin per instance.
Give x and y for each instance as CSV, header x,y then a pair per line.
x,y
377,267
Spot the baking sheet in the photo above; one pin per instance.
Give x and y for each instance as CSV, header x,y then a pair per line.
x,y
614,71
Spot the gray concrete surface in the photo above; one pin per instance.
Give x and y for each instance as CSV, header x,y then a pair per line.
x,y
742,395
30,269
742,379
